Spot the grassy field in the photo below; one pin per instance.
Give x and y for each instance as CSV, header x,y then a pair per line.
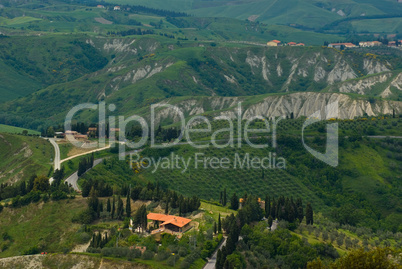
x,y
16,130
23,156
45,225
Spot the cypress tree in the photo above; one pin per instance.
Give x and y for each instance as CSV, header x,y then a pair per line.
x,y
309,214
219,260
23,190
30,184
219,224
273,209
120,208
269,221
267,206
224,197
167,207
234,202
128,206
113,207
108,205
215,228
99,240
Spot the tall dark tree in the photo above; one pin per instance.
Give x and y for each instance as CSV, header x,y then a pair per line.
x,y
224,197
120,208
269,221
234,202
108,206
309,214
273,209
219,260
113,207
167,206
23,189
30,183
128,206
267,206
219,224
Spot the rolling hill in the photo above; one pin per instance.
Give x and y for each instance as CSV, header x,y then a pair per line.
x,y
23,156
308,13
149,69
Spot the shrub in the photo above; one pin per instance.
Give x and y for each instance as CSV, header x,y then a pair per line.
x,y
84,238
148,255
85,217
133,254
58,195
162,255
31,251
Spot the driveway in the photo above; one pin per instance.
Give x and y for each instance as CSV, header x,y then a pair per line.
x,y
212,262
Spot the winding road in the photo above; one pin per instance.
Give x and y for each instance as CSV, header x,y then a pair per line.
x,y
56,153
212,262
73,179
57,162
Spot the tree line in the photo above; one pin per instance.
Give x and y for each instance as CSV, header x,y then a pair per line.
x,y
35,189
252,211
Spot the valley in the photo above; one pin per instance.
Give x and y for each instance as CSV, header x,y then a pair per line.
x,y
200,134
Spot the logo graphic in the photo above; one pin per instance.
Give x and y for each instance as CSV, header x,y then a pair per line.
x,y
330,156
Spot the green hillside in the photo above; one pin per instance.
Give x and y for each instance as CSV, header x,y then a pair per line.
x,y
307,13
149,69
46,226
48,60
16,130
23,156
373,161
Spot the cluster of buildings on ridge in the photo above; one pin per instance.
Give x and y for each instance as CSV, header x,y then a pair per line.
x,y
346,45
277,43
92,132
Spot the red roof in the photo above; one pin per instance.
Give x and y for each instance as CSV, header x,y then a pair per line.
x,y
292,43
169,219
276,41
300,44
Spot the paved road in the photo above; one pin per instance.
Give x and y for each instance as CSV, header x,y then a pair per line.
x,y
212,262
74,177
56,153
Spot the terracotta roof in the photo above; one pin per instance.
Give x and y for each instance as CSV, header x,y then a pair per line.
x,y
292,43
276,41
300,44
169,219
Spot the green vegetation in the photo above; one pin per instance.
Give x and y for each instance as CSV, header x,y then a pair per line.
x,y
22,156
43,226
291,211
16,130
307,14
